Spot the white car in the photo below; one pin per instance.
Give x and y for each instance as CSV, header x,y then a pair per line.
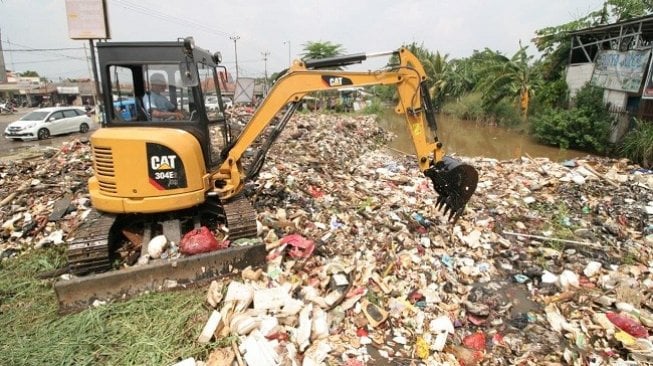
x,y
45,122
211,103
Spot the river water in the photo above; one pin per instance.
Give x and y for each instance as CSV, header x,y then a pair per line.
x,y
467,138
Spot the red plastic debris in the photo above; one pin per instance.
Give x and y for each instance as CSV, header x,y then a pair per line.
x,y
362,332
280,336
200,240
300,246
475,341
353,362
316,192
628,325
497,339
415,296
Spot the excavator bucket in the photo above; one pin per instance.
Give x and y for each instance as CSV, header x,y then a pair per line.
x,y
455,183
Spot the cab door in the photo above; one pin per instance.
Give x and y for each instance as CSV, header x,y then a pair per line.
x,y
71,120
56,123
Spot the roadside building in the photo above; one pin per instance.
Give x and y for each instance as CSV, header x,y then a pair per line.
x,y
617,58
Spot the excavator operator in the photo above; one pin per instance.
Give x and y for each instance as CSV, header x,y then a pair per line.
x,y
157,105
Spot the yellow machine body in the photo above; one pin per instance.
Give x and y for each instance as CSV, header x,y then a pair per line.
x,y
146,170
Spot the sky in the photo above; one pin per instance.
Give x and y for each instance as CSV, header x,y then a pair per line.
x,y
34,33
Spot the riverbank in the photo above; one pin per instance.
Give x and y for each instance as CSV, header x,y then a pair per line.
x,y
544,253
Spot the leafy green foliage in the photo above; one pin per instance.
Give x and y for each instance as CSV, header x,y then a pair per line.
x,y
585,127
553,94
468,107
375,107
316,50
509,78
637,145
471,108
29,73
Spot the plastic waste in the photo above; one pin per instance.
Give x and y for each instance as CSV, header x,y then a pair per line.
x,y
198,241
628,325
300,246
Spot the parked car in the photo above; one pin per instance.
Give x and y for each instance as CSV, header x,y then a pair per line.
x,y
211,103
45,122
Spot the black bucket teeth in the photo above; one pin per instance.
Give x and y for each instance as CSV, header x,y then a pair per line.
x,y
455,184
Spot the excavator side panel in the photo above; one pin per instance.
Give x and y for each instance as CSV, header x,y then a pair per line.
x,y
146,169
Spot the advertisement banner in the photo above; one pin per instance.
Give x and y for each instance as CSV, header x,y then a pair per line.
x,y
647,93
623,71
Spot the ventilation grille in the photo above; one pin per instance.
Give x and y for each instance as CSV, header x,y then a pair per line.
x,y
104,170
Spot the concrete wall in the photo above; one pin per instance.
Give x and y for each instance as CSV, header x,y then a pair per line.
x,y
616,98
577,76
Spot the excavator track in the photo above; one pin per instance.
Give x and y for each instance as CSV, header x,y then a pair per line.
x,y
241,218
89,251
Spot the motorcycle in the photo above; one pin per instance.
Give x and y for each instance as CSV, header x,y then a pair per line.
x,y
8,107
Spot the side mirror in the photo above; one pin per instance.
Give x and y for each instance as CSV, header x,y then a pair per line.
x,y
188,73
51,119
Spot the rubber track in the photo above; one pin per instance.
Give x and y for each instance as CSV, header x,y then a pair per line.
x,y
89,251
241,218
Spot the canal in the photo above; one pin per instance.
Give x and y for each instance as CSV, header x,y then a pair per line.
x,y
468,138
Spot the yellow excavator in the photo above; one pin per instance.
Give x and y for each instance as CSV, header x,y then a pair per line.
x,y
161,168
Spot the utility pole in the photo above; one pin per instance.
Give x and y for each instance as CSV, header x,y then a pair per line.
x,y
91,76
265,59
3,70
289,61
235,38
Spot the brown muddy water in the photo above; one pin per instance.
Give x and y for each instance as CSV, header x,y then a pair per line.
x,y
467,138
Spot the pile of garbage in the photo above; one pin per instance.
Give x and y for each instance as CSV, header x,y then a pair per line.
x,y
550,263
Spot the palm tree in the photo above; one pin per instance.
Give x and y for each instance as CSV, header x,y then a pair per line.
x,y
509,78
316,50
437,70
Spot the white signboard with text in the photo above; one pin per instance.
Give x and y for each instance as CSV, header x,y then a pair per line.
x,y
87,19
622,71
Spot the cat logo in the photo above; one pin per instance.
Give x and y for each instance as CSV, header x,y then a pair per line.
x,y
165,162
335,81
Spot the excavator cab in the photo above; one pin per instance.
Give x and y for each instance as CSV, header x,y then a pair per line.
x,y
165,86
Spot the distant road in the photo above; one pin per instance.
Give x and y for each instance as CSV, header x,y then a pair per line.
x,y
10,147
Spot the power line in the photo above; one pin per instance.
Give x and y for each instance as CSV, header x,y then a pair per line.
x,y
52,52
165,16
40,61
41,49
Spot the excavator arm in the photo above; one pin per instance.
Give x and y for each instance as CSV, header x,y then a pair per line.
x,y
454,181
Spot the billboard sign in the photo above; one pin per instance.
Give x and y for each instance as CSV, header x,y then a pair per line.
x,y
87,19
623,71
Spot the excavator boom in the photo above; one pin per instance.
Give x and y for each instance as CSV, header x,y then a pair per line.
x,y
454,181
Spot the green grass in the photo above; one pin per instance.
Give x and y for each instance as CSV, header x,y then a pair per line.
x,y
152,329
637,145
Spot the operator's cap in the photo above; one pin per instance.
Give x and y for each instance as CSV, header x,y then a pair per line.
x,y
158,79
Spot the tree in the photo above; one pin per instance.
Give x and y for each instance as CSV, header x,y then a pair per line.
x,y
436,68
509,78
29,73
315,50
